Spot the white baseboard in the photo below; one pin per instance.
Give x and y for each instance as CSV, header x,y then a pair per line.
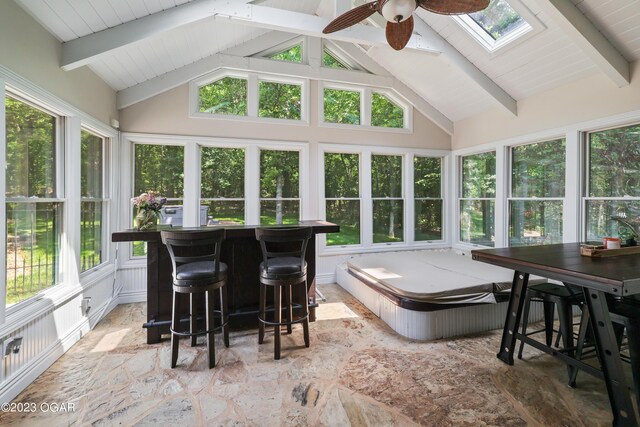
x,y
325,279
133,296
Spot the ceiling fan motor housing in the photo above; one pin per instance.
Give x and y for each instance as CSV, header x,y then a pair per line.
x,y
397,10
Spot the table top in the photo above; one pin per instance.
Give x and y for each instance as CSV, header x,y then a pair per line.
x,y
619,275
232,231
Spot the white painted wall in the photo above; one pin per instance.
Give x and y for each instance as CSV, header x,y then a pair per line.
x,y
33,53
592,98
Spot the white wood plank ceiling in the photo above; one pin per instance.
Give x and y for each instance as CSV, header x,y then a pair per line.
x,y
452,84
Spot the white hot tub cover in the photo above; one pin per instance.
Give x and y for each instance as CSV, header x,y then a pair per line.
x,y
438,277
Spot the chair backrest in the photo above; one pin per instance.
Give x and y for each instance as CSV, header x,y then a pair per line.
x,y
278,242
194,245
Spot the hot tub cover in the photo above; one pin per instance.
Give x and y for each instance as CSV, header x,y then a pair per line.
x,y
438,277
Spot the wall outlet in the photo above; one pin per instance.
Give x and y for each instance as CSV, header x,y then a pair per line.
x,y
11,345
85,305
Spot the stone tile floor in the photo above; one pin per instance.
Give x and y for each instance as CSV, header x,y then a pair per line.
x,y
357,372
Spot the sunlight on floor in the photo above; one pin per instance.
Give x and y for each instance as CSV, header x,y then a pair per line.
x,y
334,310
110,341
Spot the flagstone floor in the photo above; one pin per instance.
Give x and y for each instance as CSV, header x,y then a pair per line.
x,y
357,372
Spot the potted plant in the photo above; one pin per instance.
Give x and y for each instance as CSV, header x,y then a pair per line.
x,y
149,205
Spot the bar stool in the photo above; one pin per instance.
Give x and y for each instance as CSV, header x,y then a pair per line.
x,y
552,296
197,269
283,266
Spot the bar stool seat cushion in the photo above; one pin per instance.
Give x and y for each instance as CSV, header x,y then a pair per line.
x,y
283,267
200,270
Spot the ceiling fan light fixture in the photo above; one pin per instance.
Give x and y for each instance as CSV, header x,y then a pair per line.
x,y
398,10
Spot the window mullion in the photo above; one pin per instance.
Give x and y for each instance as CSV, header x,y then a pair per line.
x,y
365,107
408,177
252,95
71,210
367,202
191,191
252,185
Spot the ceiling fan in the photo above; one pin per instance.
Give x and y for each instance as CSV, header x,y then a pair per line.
x,y
399,15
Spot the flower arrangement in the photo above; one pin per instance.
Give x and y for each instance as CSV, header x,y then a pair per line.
x,y
149,205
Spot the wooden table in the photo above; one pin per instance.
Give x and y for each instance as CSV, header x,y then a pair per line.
x,y
240,251
617,276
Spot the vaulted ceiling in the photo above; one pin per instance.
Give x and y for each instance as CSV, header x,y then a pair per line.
x,y
143,47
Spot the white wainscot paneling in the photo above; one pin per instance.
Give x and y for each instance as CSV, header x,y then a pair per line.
x,y
132,282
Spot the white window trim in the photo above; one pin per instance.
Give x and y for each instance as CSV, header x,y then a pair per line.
x,y
253,80
532,26
366,201
365,108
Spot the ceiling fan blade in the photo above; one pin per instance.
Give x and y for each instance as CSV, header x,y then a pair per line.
x,y
453,7
351,17
398,35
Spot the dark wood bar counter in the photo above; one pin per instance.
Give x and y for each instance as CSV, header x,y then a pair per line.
x,y
240,251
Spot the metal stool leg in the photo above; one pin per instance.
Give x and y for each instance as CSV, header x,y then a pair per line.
x,y
262,303
582,335
566,328
277,314
175,321
210,319
548,321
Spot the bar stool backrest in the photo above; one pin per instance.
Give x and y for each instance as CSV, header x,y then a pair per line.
x,y
188,246
281,242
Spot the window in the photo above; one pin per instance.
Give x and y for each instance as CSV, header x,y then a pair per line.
x,y
387,197
330,60
225,96
613,182
385,113
375,109
537,192
499,24
342,197
249,96
498,19
292,54
279,187
33,206
280,100
93,202
159,168
428,205
222,184
341,106
477,201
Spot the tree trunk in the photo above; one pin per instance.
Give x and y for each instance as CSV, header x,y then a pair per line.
x,y
279,185
392,218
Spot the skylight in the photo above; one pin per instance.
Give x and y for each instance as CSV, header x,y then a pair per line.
x,y
496,26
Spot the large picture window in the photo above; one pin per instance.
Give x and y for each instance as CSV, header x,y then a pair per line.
x,y
387,198
613,184
280,100
477,201
279,187
428,204
222,184
342,106
33,209
93,201
537,192
342,197
160,168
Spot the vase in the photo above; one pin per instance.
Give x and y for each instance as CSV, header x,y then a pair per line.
x,y
146,219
